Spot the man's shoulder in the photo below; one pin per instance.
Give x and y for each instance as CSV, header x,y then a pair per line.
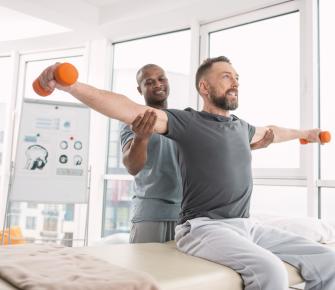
x,y
124,127
188,109
126,134
237,119
186,112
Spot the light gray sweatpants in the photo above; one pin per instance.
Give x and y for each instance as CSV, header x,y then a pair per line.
x,y
256,251
152,232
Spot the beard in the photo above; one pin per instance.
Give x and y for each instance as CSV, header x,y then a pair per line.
x,y
224,102
157,102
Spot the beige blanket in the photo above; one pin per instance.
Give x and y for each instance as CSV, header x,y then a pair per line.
x,y
54,267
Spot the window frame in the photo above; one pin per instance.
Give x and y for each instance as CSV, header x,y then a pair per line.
x,y
249,18
307,172
321,183
20,61
6,167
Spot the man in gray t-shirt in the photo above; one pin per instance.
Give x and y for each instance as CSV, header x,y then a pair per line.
x,y
152,159
215,163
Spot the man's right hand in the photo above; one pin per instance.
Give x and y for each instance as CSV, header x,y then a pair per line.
x,y
143,125
47,79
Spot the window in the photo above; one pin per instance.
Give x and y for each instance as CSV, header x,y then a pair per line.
x,y
14,220
171,51
5,94
327,103
264,47
117,206
30,223
35,67
327,90
31,205
39,221
68,239
69,212
2,132
279,200
328,203
50,224
269,90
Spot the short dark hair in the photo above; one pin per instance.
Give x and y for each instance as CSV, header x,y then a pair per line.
x,y
143,68
206,65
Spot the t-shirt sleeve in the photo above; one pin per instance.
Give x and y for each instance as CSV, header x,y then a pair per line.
x,y
126,134
178,121
251,130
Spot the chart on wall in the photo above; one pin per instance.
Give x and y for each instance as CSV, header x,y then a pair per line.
x,y
51,160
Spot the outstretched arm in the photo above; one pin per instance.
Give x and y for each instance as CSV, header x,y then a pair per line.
x,y
285,134
111,104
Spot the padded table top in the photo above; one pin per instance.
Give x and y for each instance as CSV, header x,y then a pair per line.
x,y
172,269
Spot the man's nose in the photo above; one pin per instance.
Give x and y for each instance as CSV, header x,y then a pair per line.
x,y
158,84
235,83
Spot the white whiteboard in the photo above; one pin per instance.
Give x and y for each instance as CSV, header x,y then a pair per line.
x,y
51,160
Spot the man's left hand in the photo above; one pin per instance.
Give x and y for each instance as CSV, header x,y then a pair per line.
x,y
264,142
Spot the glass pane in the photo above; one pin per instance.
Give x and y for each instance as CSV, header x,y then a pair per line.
x,y
279,200
60,223
33,70
327,89
170,51
5,94
115,164
328,203
5,78
266,56
117,206
3,108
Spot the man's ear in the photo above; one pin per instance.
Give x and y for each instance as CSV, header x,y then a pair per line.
x,y
203,88
139,90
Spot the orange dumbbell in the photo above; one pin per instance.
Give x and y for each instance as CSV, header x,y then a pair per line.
x,y
324,136
65,75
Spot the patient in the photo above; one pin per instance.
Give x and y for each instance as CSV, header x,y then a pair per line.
x,y
215,162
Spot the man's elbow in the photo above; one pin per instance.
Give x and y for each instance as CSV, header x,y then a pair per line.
x,y
133,171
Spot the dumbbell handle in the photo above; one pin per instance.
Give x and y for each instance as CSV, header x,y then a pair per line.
x,y
65,74
324,136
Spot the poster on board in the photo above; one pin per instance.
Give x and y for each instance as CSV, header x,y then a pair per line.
x,y
51,160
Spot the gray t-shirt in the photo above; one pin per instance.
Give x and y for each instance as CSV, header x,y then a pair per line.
x,y
215,163
156,190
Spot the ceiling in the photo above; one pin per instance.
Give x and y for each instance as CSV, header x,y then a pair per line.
x,y
114,19
102,3
16,25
